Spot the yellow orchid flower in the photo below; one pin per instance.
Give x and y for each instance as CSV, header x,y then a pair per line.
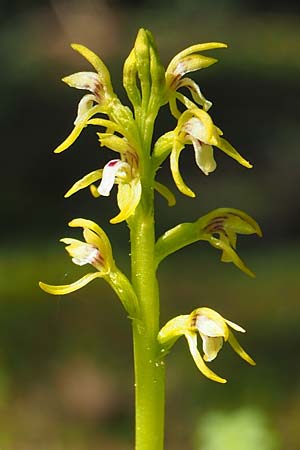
x,y
213,329
96,251
196,127
98,83
188,60
219,227
124,172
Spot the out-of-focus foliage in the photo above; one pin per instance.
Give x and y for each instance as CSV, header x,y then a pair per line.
x,y
243,429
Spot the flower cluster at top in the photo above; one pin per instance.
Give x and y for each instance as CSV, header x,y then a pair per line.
x,y
128,132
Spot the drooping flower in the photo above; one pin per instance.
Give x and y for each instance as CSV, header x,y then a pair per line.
x,y
95,250
212,328
219,227
188,60
98,83
124,172
196,127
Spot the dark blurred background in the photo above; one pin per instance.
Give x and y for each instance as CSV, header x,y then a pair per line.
x,y
66,378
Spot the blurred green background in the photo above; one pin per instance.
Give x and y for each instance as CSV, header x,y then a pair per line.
x,y
66,378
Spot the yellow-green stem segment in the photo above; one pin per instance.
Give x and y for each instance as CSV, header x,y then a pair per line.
x,y
149,370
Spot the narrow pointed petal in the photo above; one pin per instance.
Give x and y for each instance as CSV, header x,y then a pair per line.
x,y
239,350
87,180
192,342
231,255
68,288
227,148
165,192
174,162
97,63
71,138
85,104
173,106
196,93
129,195
235,326
211,347
78,129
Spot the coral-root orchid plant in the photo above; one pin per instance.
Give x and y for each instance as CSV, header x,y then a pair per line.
x,y
128,131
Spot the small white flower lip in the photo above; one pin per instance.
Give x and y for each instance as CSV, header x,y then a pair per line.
x,y
87,254
111,170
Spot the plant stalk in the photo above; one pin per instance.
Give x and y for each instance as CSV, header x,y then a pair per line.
x,y
149,370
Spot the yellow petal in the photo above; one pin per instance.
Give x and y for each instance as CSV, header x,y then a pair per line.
x,y
165,192
105,243
196,93
235,326
115,143
230,255
175,327
68,288
84,182
239,350
97,63
94,191
129,195
192,342
78,129
227,148
193,49
174,162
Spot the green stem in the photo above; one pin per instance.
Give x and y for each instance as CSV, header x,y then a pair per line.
x,y
149,371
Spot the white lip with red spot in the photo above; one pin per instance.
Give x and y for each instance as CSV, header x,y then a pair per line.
x,y
113,169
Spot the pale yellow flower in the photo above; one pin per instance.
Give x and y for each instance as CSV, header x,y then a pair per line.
x,y
213,330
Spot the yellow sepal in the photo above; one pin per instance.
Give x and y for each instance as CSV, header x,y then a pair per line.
x,y
68,288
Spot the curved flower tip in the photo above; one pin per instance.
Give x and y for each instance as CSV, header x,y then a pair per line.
x,y
221,227
196,127
96,251
68,288
188,60
212,328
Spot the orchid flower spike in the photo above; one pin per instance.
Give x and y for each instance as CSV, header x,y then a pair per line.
x,y
212,328
95,250
188,60
196,127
